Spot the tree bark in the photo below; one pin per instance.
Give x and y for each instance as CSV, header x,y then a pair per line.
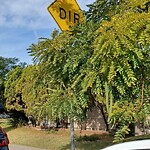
x,y
100,106
142,88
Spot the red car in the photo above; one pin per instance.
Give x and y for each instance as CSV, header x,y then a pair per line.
x,y
4,141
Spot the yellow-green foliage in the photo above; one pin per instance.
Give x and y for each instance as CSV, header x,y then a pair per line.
x,y
123,112
122,48
121,42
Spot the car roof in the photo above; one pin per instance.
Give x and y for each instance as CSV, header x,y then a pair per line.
x,y
133,145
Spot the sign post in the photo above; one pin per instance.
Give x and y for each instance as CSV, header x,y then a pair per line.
x,y
66,13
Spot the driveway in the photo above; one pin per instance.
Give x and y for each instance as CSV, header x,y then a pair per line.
x,y
20,147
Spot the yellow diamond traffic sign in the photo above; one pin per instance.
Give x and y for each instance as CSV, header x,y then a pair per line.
x,y
66,13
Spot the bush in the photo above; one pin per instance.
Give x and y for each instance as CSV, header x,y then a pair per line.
x,y
94,137
18,118
17,122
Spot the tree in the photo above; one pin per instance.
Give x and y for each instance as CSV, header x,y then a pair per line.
x,y
54,56
6,64
30,90
102,10
13,97
119,59
104,64
105,9
121,56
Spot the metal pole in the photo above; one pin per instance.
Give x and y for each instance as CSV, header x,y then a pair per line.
x,y
72,134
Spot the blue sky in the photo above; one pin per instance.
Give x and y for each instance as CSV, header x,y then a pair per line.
x,y
23,22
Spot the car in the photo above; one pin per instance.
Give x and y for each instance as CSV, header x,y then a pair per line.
x,y
4,116
4,141
132,145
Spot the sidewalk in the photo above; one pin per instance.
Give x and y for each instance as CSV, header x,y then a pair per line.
x,y
20,147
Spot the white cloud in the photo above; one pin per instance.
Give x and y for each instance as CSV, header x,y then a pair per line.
x,y
30,14
22,22
25,13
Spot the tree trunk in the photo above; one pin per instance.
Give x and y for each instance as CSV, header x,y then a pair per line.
x,y
72,134
100,106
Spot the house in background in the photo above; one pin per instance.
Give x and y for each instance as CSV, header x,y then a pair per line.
x,y
94,121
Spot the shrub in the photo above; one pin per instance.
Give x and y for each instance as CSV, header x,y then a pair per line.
x,y
94,137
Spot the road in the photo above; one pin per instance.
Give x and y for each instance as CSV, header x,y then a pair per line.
x,y
20,147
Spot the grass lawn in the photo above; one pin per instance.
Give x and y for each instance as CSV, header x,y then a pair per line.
x,y
60,140
55,140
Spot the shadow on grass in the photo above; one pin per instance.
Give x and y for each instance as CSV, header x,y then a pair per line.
x,y
97,145
90,142
7,129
